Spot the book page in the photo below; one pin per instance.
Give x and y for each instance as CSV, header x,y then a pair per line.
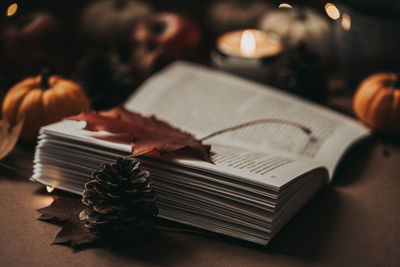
x,y
202,101
258,168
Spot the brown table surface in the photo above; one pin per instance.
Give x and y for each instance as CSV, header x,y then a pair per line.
x,y
355,221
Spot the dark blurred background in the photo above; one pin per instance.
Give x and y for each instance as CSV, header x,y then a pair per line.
x,y
362,38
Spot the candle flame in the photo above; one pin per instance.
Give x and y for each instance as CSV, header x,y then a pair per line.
x,y
49,188
346,22
12,9
332,11
248,43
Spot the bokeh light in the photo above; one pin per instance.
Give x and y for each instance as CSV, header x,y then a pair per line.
x,y
285,5
346,22
332,11
12,9
49,188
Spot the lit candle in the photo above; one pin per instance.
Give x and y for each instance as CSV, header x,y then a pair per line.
x,y
247,53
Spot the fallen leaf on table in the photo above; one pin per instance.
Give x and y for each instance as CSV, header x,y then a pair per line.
x,y
8,136
147,135
66,210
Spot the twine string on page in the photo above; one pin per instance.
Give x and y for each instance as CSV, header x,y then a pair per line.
x,y
303,128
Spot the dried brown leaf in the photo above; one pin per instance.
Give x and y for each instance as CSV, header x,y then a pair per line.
x,y
8,136
66,210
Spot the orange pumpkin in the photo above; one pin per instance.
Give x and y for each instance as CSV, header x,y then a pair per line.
x,y
42,100
377,102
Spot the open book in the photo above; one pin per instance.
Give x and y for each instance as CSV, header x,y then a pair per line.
x,y
263,174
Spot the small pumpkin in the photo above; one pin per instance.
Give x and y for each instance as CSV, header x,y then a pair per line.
x,y
42,100
377,102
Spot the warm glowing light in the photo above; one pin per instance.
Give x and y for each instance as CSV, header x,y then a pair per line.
x,y
12,9
285,5
49,188
248,43
346,22
332,11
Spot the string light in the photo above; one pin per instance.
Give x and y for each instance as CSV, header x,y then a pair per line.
x,y
49,188
346,22
12,9
332,11
285,5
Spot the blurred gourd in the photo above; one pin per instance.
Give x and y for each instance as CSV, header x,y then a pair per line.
x,y
112,20
162,38
29,42
377,102
227,15
303,25
42,100
107,78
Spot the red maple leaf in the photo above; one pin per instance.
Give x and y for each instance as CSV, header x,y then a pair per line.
x,y
147,135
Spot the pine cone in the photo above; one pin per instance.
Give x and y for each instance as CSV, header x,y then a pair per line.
x,y
302,73
120,200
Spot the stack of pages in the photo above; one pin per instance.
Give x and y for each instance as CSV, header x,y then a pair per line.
x,y
262,174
